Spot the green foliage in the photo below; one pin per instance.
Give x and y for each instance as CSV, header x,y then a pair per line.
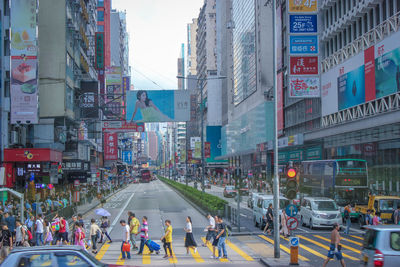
x,y
207,202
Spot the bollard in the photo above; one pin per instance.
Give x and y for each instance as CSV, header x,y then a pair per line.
x,y
294,250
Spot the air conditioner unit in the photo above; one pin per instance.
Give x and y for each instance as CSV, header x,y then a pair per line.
x,y
13,138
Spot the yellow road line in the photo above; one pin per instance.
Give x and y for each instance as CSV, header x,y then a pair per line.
x,y
344,246
146,258
216,250
239,251
196,255
282,247
358,237
102,251
316,253
46,263
326,247
120,260
351,241
173,259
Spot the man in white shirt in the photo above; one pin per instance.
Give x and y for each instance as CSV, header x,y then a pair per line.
x,y
39,230
125,239
211,229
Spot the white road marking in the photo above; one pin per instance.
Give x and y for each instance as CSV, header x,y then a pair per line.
x,y
120,213
299,228
243,215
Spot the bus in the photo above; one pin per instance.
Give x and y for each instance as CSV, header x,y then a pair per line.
x,y
344,180
145,176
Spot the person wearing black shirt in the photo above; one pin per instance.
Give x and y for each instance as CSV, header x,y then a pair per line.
x,y
6,241
269,219
221,238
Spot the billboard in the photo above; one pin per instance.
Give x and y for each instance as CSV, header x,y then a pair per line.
x,y
215,144
122,126
303,44
303,6
110,146
193,141
303,86
158,106
24,93
23,28
89,100
303,23
373,73
113,97
214,102
300,65
99,46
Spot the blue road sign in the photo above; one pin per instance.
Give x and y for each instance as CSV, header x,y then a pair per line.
x,y
303,23
304,44
294,241
291,210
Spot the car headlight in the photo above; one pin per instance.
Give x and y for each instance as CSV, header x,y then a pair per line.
x,y
315,215
338,215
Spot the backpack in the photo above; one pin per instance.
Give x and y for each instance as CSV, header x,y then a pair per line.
x,y
226,231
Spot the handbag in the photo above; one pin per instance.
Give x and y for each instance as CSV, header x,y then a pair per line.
x,y
126,247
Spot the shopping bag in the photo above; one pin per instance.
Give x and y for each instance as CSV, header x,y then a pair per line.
x,y
126,247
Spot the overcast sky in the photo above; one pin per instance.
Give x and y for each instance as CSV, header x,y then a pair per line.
x,y
157,28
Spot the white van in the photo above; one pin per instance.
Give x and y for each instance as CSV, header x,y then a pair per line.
x,y
260,207
319,212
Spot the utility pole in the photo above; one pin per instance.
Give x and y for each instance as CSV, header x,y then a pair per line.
x,y
276,175
202,134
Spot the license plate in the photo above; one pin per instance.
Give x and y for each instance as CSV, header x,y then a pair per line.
x,y
329,223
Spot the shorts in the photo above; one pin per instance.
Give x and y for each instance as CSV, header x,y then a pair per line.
x,y
63,236
210,234
4,251
332,253
215,242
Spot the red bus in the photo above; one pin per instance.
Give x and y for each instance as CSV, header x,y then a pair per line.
x,y
145,176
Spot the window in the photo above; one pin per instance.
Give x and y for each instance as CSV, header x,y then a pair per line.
x,y
66,260
100,15
395,240
369,239
100,3
32,260
100,28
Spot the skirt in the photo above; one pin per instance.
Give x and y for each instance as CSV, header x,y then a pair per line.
x,y
189,241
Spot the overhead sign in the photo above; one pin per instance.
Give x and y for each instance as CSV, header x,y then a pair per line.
x,y
110,146
292,223
122,126
127,156
99,44
303,6
304,86
89,101
307,44
303,65
291,210
303,23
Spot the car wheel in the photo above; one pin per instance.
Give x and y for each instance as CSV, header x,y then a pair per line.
x,y
311,225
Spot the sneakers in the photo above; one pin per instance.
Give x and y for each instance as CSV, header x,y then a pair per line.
x,y
213,257
166,256
195,250
218,258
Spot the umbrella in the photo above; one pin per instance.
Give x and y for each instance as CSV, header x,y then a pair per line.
x,y
103,212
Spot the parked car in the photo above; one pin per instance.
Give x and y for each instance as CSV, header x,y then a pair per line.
x,y
381,246
52,256
260,207
229,191
252,198
319,212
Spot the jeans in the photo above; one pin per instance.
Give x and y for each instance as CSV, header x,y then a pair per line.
x,y
348,223
167,245
128,253
104,232
221,246
94,241
39,239
142,243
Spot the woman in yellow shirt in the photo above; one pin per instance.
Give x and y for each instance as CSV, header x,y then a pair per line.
x,y
167,239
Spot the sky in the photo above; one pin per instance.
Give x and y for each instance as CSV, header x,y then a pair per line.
x,y
157,28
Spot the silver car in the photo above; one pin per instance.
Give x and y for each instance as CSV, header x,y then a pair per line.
x,y
381,246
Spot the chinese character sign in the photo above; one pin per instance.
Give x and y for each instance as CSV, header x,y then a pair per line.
x,y
304,87
307,44
304,65
207,149
303,6
303,23
110,146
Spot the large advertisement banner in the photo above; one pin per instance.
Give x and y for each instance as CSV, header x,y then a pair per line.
x,y
351,88
23,28
214,142
158,106
303,6
24,93
110,146
279,98
303,65
302,86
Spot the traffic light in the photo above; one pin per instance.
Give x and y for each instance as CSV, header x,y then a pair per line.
x,y
291,183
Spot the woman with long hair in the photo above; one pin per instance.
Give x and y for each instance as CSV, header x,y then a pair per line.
x,y
189,241
150,112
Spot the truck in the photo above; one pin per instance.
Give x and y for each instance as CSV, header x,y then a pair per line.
x,y
383,204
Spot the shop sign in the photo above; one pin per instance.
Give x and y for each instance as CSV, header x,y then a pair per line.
x,y
303,23
282,158
76,165
303,6
307,44
314,153
99,44
122,126
304,87
296,155
292,140
110,146
303,65
76,182
207,149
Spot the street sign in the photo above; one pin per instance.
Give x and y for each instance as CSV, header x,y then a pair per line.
x,y
291,210
292,223
304,44
303,23
294,241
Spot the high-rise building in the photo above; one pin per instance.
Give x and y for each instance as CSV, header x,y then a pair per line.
x,y
191,64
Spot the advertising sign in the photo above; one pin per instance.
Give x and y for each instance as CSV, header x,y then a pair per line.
x,y
303,6
303,23
110,146
280,102
213,134
99,45
113,97
23,27
127,156
197,150
207,150
351,88
122,126
126,83
279,36
190,155
24,94
193,141
307,44
304,87
158,106
89,101
303,65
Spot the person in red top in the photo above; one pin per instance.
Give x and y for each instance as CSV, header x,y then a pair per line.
x,y
62,233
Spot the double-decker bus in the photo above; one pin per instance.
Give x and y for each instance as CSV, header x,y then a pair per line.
x,y
344,180
145,176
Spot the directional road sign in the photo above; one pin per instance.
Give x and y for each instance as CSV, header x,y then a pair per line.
x,y
294,241
292,223
291,210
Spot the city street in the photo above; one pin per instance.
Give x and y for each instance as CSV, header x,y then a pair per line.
x,y
158,202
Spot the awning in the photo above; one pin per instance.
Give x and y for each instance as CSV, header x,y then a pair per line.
x,y
32,155
237,154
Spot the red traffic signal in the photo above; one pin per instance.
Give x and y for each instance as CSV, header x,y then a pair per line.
x,y
291,173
